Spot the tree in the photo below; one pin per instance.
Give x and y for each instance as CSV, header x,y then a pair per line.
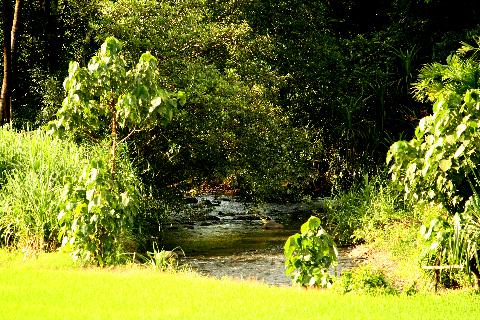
x,y
107,101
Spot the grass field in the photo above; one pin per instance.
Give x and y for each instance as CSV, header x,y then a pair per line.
x,y
50,287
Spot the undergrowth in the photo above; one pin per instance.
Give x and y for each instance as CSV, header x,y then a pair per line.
x,y
375,215
359,214
33,169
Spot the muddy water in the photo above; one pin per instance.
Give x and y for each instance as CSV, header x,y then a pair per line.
x,y
231,243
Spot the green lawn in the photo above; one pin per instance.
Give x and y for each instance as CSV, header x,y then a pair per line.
x,y
50,288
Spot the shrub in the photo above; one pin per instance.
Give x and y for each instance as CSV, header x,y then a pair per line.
x,y
101,203
310,254
440,164
35,168
365,279
98,213
436,164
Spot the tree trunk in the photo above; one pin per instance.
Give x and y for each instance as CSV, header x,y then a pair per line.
x,y
7,63
114,138
13,40
15,22
10,27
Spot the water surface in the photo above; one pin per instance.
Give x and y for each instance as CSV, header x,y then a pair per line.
x,y
231,243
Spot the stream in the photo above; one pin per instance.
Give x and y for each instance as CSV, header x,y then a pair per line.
x,y
229,242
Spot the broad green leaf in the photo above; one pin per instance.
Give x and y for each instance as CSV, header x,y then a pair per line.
x,y
471,97
157,101
412,167
445,165
91,205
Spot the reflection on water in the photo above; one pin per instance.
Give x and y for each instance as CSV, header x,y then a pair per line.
x,y
240,250
226,239
263,266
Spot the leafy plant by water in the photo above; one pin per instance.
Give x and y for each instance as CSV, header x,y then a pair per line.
x,y
360,213
435,165
100,206
310,254
97,215
439,164
165,260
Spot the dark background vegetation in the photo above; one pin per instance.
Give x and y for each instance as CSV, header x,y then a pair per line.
x,y
284,98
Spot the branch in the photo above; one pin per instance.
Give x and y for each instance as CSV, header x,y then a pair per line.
x,y
129,135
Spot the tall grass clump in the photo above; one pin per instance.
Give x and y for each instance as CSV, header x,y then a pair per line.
x,y
364,211
34,168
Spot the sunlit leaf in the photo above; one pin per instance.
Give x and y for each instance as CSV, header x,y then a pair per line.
x,y
459,151
445,165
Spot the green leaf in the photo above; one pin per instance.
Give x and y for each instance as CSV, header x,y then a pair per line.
x,y
182,98
91,205
410,173
312,224
125,199
157,101
459,151
460,129
111,46
445,165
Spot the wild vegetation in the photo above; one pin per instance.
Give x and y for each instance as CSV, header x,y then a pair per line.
x,y
113,111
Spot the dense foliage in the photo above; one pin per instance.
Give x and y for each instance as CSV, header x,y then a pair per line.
x,y
34,169
440,164
281,99
359,214
327,84
437,164
365,279
229,129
